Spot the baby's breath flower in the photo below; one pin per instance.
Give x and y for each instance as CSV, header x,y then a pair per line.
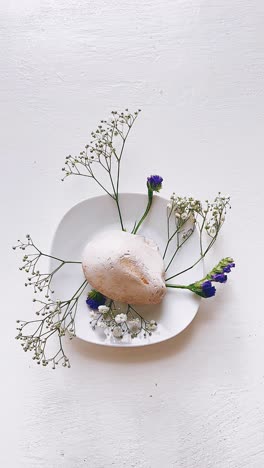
x,y
56,318
189,212
117,332
118,324
121,318
215,213
212,231
184,207
32,262
134,326
152,325
104,151
103,309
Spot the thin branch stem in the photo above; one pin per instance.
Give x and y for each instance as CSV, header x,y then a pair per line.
x,y
178,248
195,263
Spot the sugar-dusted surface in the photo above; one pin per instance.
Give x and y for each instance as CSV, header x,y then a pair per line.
x,y
196,69
126,267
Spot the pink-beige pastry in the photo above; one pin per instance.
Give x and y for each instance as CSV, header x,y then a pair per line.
x,y
125,267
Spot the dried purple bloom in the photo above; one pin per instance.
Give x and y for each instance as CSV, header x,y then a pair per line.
x,y
219,278
154,183
95,299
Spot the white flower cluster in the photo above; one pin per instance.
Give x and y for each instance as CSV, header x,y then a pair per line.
x,y
103,309
189,209
118,324
183,208
103,145
215,214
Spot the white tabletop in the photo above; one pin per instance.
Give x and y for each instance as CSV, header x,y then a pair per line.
x,y
196,70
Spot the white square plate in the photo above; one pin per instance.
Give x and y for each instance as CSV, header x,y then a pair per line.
x,y
84,221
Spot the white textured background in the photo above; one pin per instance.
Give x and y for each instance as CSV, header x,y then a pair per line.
x,y
195,67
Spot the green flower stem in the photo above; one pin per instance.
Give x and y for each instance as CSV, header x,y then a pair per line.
x,y
115,195
117,185
119,213
177,286
150,198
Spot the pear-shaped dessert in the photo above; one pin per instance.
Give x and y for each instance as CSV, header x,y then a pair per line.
x,y
125,267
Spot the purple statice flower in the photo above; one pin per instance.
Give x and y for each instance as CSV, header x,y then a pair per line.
x,y
154,183
227,268
95,299
219,278
224,266
203,288
207,289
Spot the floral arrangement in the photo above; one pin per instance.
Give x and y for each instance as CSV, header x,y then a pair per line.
x,y
56,318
